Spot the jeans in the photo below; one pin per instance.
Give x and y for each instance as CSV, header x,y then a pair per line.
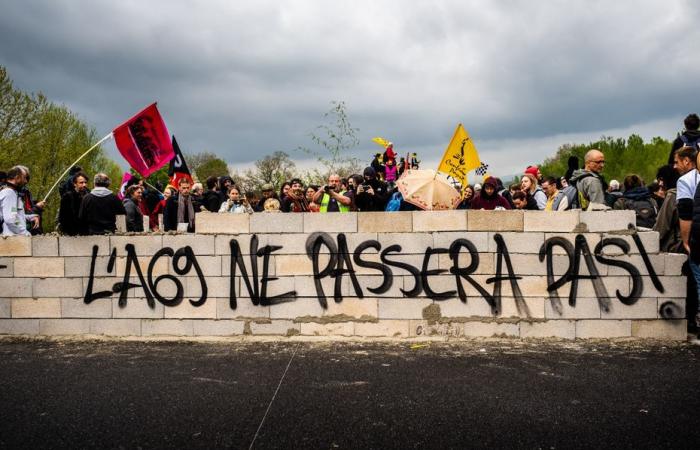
x,y
695,270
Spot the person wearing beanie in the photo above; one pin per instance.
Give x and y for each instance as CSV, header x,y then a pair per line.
x,y
372,194
488,198
535,172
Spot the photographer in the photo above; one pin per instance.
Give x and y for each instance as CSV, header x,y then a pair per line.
x,y
372,194
295,200
330,199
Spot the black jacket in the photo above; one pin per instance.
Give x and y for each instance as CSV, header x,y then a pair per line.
x,y
211,201
99,211
691,136
170,215
68,214
134,217
376,202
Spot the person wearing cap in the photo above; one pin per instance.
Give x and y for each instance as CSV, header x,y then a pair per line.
x,y
488,198
372,194
267,191
535,172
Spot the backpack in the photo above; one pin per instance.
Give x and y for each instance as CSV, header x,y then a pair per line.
x,y
644,210
394,202
688,143
572,196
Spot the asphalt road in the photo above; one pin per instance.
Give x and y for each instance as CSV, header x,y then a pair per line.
x,y
502,394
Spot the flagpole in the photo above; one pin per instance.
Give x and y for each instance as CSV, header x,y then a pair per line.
x,y
76,162
155,188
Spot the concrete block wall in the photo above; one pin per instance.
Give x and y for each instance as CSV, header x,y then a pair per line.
x,y
405,282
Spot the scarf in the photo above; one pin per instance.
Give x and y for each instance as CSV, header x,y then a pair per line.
x,y
182,203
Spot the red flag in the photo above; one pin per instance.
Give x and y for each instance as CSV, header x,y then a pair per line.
x,y
122,187
144,141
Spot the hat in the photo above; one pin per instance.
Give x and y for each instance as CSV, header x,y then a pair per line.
x,y
491,181
369,172
532,170
267,187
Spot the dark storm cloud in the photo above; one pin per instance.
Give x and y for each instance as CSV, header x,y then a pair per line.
x,y
245,79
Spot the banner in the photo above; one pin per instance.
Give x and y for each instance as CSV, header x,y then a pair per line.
x,y
144,141
178,167
122,187
460,157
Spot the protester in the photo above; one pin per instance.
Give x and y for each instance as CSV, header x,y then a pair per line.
x,y
354,181
3,178
235,204
271,205
268,191
689,138
691,241
520,200
331,198
572,166
468,196
372,194
535,172
150,206
211,201
295,201
197,194
488,198
556,201
12,215
100,207
637,198
225,182
667,224
390,171
310,192
132,201
658,193
589,181
284,189
505,193
178,214
33,210
528,184
614,193
68,183
69,222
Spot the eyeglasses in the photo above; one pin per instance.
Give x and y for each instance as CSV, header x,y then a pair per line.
x,y
601,161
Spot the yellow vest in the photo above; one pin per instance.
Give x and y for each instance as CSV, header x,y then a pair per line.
x,y
327,198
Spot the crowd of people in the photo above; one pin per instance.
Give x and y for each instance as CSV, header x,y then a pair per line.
x,y
667,205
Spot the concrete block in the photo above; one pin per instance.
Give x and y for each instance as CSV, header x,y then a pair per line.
x,y
6,267
82,245
291,245
491,329
161,267
422,328
76,308
15,246
562,329
650,241
453,220
244,309
144,245
608,220
673,263
275,327
79,266
222,223
202,245
475,306
327,329
592,239
36,308
167,327
115,327
277,223
335,222
673,287
478,220
16,287
222,243
411,243
487,263
52,287
286,265
210,265
218,327
39,267
146,223
56,327
585,308
657,262
44,245
660,329
644,308
271,267
385,222
410,308
121,224
668,308
137,309
603,329
383,328
533,308
185,310
19,326
353,307
480,239
301,307
561,221
518,242
5,308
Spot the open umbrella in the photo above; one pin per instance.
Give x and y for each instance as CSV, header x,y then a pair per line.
x,y
428,189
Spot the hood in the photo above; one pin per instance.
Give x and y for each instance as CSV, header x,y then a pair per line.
x,y
638,193
128,200
101,192
581,173
692,134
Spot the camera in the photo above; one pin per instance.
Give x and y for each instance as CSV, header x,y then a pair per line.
x,y
365,186
326,189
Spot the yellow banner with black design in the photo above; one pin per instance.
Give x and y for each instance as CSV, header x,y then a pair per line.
x,y
460,156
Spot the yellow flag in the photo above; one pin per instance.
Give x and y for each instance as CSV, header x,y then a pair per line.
x,y
381,141
460,156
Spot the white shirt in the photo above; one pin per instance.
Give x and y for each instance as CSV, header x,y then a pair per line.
x,y
687,184
12,212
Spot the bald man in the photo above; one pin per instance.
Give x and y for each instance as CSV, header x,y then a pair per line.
x,y
589,180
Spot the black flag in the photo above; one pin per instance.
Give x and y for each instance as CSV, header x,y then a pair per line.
x,y
178,167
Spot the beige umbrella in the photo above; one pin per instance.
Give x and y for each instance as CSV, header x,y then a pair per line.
x,y
428,189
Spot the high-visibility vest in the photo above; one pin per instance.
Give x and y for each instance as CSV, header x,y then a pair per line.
x,y
327,198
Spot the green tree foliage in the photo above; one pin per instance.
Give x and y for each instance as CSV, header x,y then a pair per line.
x,y
46,138
622,157
205,164
333,140
274,169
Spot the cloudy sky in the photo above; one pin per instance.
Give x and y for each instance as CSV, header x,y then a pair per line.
x,y
247,78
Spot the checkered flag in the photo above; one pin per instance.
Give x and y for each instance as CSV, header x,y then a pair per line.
x,y
482,169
